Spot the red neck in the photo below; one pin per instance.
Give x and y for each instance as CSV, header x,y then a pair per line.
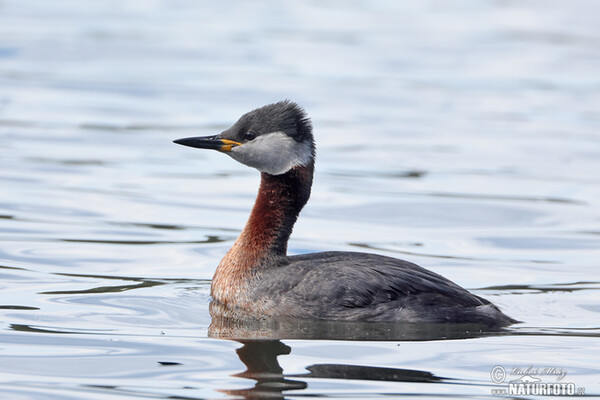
x,y
263,242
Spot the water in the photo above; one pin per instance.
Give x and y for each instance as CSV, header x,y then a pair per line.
x,y
460,136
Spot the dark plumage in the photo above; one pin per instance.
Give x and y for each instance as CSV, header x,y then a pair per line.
x,y
368,287
257,278
285,116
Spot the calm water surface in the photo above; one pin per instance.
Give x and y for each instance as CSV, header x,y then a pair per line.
x,y
464,137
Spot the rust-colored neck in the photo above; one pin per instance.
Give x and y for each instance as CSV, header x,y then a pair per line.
x,y
263,242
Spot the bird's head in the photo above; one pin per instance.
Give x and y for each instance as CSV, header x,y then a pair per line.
x,y
273,138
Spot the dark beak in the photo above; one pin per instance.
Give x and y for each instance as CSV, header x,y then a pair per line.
x,y
209,142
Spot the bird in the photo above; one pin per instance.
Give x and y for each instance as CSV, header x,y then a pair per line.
x,y
257,277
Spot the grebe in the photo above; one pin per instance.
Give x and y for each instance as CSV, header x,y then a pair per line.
x,y
257,277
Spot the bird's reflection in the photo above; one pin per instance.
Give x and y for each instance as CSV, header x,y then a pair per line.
x,y
260,359
261,339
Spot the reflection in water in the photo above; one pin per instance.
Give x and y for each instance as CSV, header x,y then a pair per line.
x,y
549,288
140,283
30,328
209,239
17,307
260,359
224,325
342,371
260,337
108,289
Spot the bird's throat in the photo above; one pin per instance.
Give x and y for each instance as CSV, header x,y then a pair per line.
x,y
263,242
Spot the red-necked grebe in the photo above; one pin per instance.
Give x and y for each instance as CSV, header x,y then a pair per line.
x,y
257,276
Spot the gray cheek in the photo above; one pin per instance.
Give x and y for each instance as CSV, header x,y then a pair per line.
x,y
274,164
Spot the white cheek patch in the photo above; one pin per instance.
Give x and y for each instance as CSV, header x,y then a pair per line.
x,y
274,153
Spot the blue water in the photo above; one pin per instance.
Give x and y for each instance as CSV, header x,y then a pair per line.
x,y
462,136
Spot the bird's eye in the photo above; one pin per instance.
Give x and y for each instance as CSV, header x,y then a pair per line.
x,y
249,135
